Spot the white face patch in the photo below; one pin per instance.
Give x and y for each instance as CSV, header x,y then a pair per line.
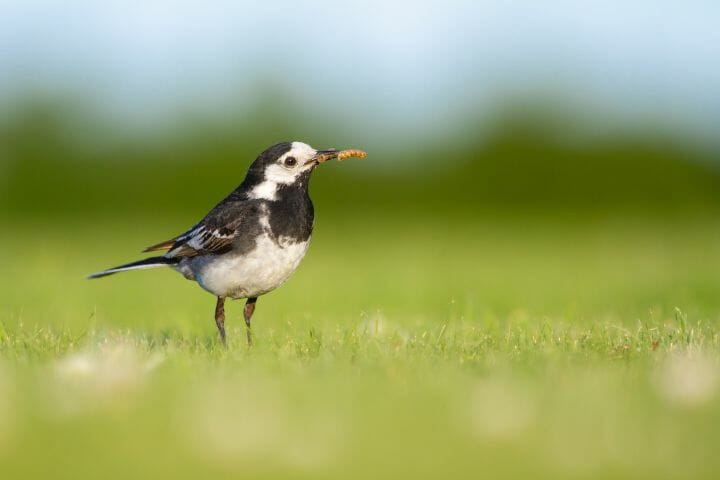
x,y
278,173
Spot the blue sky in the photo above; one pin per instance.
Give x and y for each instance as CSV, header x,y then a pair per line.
x,y
405,65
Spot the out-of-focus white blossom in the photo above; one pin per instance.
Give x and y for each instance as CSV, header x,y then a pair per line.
x,y
100,376
500,410
689,380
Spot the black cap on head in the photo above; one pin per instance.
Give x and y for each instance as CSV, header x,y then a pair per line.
x,y
270,155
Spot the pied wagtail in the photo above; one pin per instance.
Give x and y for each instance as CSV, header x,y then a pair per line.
x,y
254,239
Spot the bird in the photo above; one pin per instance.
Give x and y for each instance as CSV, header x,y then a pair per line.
x,y
254,239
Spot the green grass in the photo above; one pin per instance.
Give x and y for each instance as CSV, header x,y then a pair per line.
x,y
427,348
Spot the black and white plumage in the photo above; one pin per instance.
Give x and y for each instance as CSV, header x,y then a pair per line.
x,y
253,240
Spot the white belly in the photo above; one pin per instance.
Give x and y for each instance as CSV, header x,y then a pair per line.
x,y
251,274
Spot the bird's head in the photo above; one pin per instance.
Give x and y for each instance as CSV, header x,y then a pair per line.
x,y
284,165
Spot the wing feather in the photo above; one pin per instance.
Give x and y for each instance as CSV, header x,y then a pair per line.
x,y
166,245
216,233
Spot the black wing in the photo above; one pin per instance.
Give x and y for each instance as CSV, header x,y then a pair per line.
x,y
216,233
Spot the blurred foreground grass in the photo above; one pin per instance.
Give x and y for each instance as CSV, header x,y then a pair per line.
x,y
421,348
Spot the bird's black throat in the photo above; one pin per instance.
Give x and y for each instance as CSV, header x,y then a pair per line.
x,y
291,212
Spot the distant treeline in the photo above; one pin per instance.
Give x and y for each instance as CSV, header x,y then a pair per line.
x,y
54,163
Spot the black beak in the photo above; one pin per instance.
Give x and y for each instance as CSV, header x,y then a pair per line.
x,y
323,156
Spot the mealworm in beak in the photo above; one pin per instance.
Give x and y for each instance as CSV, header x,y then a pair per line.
x,y
342,155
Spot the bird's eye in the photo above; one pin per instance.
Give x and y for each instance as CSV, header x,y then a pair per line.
x,y
290,161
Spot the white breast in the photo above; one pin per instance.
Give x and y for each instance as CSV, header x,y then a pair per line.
x,y
253,273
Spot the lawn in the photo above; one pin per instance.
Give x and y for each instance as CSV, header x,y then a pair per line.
x,y
402,348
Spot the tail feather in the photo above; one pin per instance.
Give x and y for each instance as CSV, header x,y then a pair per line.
x,y
151,262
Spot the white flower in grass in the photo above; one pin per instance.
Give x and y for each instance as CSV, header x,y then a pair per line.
x,y
100,376
500,410
689,380
377,326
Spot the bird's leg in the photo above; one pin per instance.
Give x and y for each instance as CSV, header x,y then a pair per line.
x,y
220,318
248,313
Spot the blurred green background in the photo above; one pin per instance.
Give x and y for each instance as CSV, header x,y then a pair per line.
x,y
527,159
520,280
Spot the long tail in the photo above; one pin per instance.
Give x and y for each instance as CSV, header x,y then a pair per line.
x,y
151,262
